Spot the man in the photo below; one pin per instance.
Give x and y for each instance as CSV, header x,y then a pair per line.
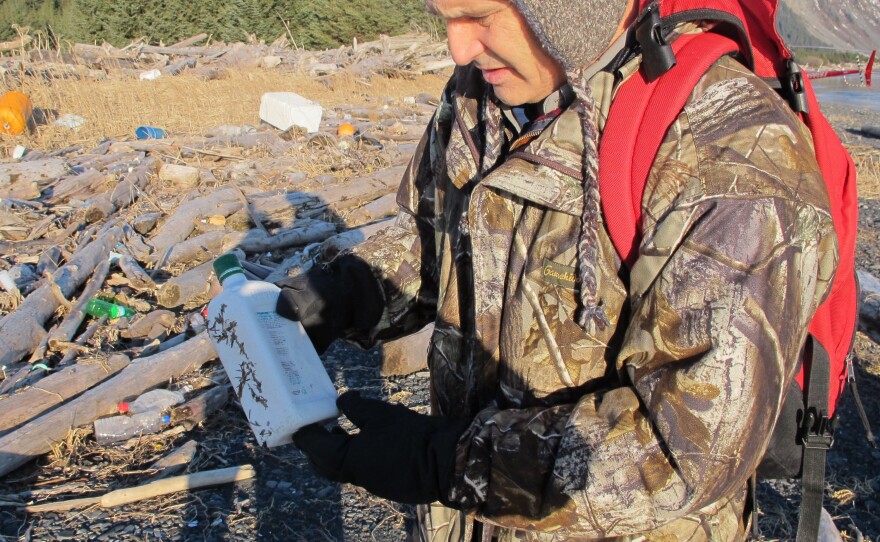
x,y
574,398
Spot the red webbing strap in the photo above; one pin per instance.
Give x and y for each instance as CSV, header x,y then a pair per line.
x,y
639,118
835,320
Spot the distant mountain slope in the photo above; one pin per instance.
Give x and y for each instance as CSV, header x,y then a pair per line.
x,y
843,24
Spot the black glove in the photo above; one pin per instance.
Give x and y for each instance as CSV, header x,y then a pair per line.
x,y
398,454
331,299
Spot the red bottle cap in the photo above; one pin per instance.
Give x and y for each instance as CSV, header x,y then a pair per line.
x,y
122,407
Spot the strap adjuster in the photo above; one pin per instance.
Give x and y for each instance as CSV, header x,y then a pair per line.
x,y
793,84
817,430
657,55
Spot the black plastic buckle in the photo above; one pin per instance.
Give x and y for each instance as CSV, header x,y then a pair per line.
x,y
657,55
793,83
817,430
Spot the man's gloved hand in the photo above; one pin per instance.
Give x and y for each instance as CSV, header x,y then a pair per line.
x,y
331,299
398,454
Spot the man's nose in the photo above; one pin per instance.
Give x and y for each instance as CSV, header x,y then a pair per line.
x,y
465,43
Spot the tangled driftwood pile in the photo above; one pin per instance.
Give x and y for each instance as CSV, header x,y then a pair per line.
x,y
406,55
139,222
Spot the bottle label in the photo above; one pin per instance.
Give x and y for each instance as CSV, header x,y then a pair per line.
x,y
274,326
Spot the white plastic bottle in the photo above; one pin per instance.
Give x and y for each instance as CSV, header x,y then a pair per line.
x,y
274,369
159,400
117,428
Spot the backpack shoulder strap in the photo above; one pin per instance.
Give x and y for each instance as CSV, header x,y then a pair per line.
x,y
639,118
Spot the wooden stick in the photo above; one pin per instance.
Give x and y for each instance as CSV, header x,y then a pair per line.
x,y
15,44
67,329
25,375
175,460
154,489
178,51
250,210
131,185
192,40
135,274
71,353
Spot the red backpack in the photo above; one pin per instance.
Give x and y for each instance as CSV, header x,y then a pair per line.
x,y
645,107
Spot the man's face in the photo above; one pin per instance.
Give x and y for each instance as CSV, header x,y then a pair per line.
x,y
496,38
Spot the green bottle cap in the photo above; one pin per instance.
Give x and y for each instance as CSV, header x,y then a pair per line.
x,y
227,265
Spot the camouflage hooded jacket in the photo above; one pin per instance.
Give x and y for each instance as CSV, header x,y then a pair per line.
x,y
650,428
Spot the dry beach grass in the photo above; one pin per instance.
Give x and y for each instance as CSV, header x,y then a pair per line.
x,y
187,104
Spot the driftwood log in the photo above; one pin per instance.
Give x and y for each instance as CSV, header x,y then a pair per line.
x,y
182,223
355,192
56,388
128,189
330,248
210,245
175,460
152,325
197,410
191,288
81,186
22,330
407,354
39,172
137,277
377,209
39,435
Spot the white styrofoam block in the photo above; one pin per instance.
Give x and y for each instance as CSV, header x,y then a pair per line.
x,y
286,109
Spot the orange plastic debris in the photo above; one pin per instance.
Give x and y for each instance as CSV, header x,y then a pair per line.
x,y
346,129
15,111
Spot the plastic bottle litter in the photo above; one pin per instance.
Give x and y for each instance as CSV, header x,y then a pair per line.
x,y
149,132
70,121
150,75
119,428
274,369
158,400
100,307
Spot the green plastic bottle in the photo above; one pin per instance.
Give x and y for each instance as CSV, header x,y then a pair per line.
x,y
100,307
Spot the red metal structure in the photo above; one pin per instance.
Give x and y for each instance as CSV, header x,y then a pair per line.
x,y
821,74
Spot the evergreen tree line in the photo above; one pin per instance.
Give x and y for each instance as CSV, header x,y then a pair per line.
x,y
312,24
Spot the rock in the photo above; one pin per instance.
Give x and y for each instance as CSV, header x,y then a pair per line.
x,y
65,534
270,61
182,176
